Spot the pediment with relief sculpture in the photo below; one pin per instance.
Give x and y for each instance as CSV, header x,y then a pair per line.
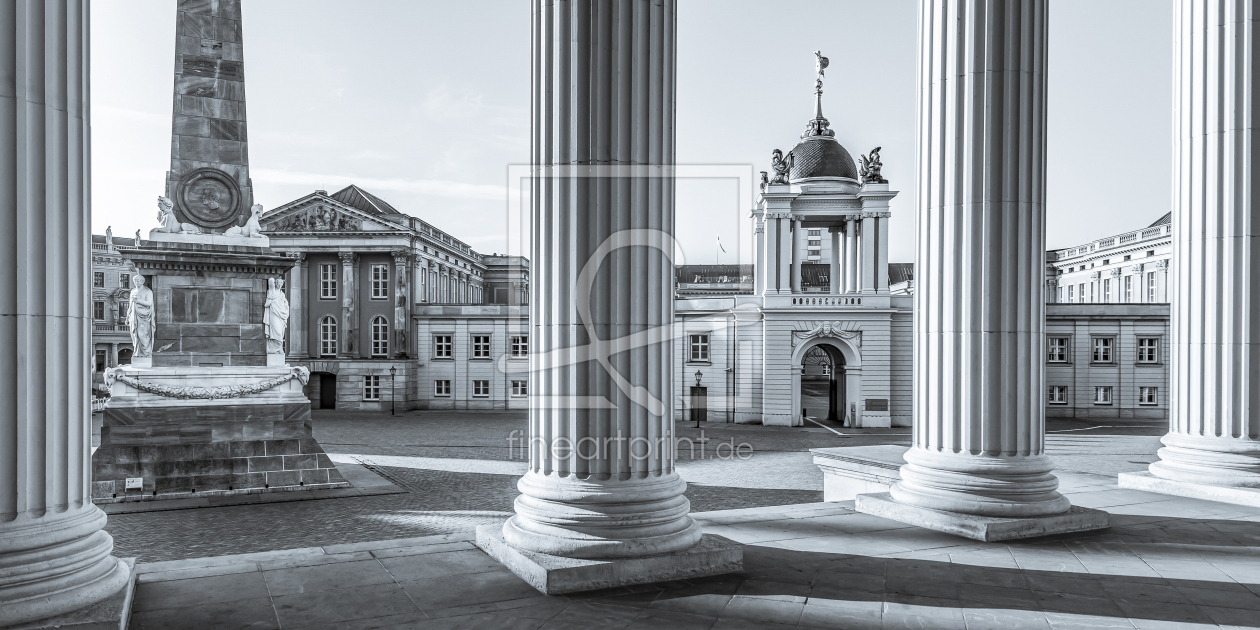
x,y
322,215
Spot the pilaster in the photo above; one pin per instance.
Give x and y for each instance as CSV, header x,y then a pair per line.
x,y
798,255
349,304
298,278
402,303
834,272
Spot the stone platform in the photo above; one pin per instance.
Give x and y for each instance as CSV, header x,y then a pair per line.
x,y
1150,483
852,470
982,528
1166,562
554,575
183,443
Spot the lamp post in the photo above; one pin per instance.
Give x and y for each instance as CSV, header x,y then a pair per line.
x,y
699,375
392,389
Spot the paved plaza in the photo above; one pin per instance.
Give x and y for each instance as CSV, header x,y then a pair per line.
x,y
814,565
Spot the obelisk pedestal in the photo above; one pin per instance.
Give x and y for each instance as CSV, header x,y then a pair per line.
x,y
1212,449
977,467
601,504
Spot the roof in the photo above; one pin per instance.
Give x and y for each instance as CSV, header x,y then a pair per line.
x,y
356,197
709,274
900,272
1164,220
821,156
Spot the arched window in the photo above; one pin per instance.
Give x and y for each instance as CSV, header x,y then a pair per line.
x,y
380,337
328,337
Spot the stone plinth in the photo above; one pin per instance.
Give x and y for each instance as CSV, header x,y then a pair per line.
x,y
852,470
111,613
1225,494
555,575
983,528
255,442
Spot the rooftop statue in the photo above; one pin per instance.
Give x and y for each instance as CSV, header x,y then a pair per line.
x,y
170,224
871,167
820,66
781,167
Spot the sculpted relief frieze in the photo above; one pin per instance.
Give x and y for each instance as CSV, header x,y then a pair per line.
x,y
847,331
318,218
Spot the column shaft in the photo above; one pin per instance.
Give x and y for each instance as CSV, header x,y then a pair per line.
x,y
851,248
881,254
834,272
771,262
869,236
798,257
979,433
54,556
601,480
297,304
349,304
402,313
785,255
1214,417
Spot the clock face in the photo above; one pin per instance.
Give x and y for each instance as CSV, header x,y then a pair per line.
x,y
209,198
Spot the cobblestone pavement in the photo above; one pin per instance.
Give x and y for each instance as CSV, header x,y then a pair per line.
x,y
460,471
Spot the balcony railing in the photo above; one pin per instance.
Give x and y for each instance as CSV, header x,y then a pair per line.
x,y
108,327
826,300
1110,242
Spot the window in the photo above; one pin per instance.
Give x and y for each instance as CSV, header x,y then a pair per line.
x,y
328,337
1128,257
520,388
815,234
380,337
98,310
1058,295
520,346
1106,291
1150,286
442,346
1128,288
1057,395
1102,349
699,347
1093,292
481,346
122,311
124,280
1148,396
328,281
441,388
372,387
98,278
380,282
1071,294
1148,350
100,361
1102,395
481,389
1057,349
1081,292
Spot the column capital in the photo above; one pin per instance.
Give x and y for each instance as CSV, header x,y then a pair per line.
x,y
401,256
1137,268
1095,275
300,257
1162,265
1117,272
348,258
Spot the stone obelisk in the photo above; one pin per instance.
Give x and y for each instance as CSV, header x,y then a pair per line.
x,y
54,556
209,143
601,504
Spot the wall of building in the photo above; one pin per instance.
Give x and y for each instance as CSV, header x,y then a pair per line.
x,y
501,323
1080,324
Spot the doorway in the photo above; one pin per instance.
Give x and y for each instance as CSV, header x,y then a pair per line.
x,y
823,384
327,390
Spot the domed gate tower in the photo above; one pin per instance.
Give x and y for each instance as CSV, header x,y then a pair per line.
x,y
834,294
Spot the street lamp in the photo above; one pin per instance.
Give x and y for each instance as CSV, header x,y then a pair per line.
x,y
694,411
392,389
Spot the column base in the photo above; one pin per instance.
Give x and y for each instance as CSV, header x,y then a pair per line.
x,y
555,575
111,613
1150,483
983,528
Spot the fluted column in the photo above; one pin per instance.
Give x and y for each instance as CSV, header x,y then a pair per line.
x,y
798,257
349,303
881,253
1214,416
785,253
401,296
297,304
54,556
834,271
979,433
851,249
869,236
601,481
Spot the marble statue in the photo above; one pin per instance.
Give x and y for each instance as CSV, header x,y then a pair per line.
x,y
275,315
871,167
109,236
140,318
137,238
820,66
765,180
251,229
171,224
781,167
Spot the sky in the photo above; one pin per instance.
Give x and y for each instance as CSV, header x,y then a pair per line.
x,y
426,104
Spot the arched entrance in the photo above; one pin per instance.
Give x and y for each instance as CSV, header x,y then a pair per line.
x,y
827,377
322,390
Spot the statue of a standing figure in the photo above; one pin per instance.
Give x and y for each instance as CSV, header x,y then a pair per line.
x,y
140,319
871,167
275,316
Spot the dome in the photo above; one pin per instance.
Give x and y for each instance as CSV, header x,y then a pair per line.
x,y
821,156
